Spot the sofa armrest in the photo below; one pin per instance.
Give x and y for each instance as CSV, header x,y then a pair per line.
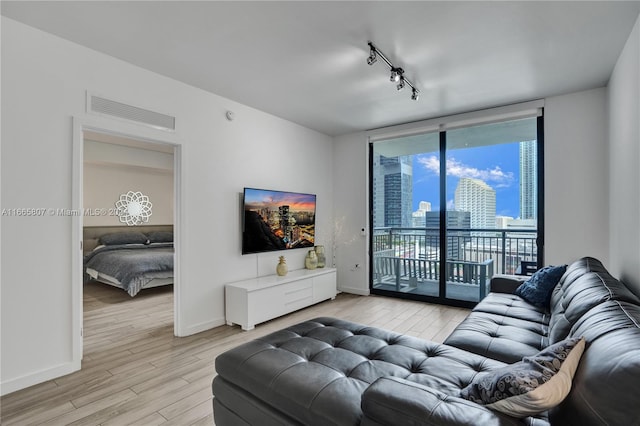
x,y
506,283
395,401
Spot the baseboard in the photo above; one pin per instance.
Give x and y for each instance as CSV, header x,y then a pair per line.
x,y
355,290
23,382
203,326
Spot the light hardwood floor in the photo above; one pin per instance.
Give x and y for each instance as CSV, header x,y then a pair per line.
x,y
135,371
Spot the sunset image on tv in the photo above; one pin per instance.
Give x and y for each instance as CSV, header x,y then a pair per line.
x,y
277,220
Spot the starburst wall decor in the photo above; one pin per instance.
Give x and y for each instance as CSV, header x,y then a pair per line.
x,y
133,208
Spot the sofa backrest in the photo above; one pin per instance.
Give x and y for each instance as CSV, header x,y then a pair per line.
x,y
585,284
606,385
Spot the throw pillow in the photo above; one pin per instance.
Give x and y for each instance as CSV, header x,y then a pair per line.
x,y
530,386
537,289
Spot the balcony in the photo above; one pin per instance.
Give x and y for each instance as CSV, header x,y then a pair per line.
x,y
408,260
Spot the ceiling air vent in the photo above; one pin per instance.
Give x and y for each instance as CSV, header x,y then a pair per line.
x,y
103,106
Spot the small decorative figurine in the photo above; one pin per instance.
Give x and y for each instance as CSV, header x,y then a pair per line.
x,y
281,268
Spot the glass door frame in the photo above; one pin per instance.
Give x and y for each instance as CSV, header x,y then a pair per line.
x,y
442,283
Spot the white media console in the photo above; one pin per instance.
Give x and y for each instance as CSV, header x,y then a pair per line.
x,y
253,301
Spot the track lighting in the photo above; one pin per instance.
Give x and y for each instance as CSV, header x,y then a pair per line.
x,y
397,74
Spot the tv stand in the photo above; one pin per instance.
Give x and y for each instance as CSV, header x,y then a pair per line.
x,y
257,300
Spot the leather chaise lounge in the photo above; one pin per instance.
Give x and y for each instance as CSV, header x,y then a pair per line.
x,y
329,371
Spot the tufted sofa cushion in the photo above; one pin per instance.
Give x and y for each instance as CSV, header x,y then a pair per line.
x,y
503,327
317,371
512,306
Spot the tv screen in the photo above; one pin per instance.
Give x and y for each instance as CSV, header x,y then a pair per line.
x,y
277,220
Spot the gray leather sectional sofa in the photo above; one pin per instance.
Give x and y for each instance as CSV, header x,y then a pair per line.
x,y
333,372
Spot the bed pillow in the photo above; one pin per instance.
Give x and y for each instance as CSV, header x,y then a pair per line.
x,y
123,238
537,289
160,237
531,386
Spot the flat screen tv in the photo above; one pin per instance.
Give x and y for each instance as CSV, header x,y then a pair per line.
x,y
277,220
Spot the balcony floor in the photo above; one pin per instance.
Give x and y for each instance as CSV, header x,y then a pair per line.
x,y
456,291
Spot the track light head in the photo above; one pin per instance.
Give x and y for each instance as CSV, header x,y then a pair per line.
x,y
400,85
373,56
414,94
372,59
395,74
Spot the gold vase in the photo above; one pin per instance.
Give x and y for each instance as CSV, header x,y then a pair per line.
x,y
281,267
311,261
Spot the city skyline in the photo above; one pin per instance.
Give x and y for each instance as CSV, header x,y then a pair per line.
x,y
496,165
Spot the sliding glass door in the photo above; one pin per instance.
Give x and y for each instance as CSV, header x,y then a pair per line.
x,y
450,209
405,238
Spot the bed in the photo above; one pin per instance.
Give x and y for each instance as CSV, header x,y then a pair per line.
x,y
130,258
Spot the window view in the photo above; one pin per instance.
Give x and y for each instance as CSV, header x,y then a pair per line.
x,y
445,233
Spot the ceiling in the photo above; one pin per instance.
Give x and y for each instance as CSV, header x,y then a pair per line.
x,y
305,61
132,143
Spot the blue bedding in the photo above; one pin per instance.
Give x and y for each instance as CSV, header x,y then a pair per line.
x,y
129,263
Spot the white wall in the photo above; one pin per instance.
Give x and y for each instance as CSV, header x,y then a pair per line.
x,y
351,201
44,82
104,183
624,160
111,170
576,177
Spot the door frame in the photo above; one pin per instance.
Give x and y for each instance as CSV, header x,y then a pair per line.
x,y
131,131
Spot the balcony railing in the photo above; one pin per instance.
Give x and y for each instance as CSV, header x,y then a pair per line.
x,y
406,257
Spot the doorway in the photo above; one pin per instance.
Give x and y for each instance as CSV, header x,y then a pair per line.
x,y
135,153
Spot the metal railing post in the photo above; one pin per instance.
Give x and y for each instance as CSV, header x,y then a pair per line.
x,y
397,267
504,252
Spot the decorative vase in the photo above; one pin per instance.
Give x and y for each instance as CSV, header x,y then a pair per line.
x,y
321,257
311,261
281,267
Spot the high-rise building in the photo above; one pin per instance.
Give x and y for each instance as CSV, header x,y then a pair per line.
x,y
392,191
478,198
424,206
503,222
456,223
418,217
528,180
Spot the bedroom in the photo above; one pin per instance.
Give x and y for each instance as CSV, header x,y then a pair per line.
x,y
126,255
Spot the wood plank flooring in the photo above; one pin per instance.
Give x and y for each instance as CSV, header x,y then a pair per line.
x,y
135,371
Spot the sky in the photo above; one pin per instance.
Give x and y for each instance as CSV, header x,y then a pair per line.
x,y
260,198
497,165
